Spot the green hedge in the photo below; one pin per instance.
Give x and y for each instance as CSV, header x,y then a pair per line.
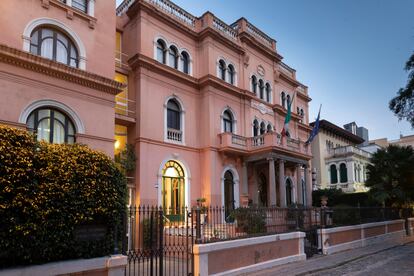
x,y
48,193
337,197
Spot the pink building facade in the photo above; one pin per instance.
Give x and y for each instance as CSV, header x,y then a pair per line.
x,y
202,102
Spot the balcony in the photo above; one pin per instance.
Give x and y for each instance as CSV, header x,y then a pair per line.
x,y
121,60
233,143
124,110
347,150
174,135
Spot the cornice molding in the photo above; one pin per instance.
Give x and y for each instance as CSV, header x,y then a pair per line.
x,y
57,70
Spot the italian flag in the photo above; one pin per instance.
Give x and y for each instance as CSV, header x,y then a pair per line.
x,y
285,129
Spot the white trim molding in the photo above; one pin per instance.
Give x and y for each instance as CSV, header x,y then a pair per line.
x,y
80,128
27,32
182,120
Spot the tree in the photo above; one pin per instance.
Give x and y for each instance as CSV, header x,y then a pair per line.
x,y
403,104
391,175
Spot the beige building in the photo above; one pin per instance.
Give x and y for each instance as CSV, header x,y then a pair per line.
x,y
337,160
403,141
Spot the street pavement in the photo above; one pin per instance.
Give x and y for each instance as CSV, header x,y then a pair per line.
x,y
380,259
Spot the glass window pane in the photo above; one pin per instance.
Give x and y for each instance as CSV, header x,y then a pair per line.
x,y
34,38
43,113
59,116
71,139
79,4
43,130
30,122
47,48
58,132
61,52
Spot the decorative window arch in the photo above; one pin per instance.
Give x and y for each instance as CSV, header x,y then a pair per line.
x,y
228,121
72,115
173,57
61,27
269,128
222,69
185,59
287,100
255,128
231,74
254,84
174,125
161,51
343,174
289,191
236,181
283,99
51,125
268,93
262,128
333,174
261,89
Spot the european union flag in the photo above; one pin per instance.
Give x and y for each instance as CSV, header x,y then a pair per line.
x,y
315,129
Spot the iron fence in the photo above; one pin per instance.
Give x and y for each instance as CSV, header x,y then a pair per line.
x,y
160,241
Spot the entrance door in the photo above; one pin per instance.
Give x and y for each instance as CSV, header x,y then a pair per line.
x,y
262,190
288,192
173,191
228,195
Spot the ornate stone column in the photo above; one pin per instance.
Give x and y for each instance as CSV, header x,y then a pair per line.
x,y
282,183
272,182
299,183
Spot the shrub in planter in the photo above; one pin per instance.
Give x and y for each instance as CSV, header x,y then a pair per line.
x,y
50,195
250,220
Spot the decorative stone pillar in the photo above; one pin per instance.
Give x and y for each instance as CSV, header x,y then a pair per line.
x,y
282,183
272,182
244,188
308,184
299,183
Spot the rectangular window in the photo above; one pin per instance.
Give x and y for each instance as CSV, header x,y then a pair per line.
x,y
118,49
81,5
121,100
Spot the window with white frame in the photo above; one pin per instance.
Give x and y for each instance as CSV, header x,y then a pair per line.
x,y
174,121
254,84
161,51
231,74
228,121
268,93
222,70
173,57
185,59
283,99
261,89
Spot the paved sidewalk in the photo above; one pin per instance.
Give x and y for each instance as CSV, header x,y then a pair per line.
x,y
320,262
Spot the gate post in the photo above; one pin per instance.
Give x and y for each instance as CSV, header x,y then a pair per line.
x,y
161,242
198,225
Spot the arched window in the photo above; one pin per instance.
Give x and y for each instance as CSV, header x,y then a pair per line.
x,y
228,195
173,191
173,57
302,113
55,45
303,192
173,115
287,100
334,174
254,84
289,200
255,128
262,128
261,89
222,69
283,99
51,125
161,51
231,73
269,128
186,62
262,189
268,92
343,174
227,121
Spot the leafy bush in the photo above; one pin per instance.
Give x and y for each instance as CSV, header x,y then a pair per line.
x,y
48,192
250,220
337,197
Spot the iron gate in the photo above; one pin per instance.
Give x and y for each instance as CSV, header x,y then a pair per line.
x,y
158,246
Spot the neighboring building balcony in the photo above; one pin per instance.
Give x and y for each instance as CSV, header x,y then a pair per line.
x,y
121,60
124,110
347,150
350,187
233,143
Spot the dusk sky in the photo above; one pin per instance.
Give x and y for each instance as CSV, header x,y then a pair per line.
x,y
350,53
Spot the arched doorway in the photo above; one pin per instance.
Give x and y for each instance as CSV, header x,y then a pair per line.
x,y
288,192
228,195
173,191
262,189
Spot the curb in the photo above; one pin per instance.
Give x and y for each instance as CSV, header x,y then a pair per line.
x,y
352,259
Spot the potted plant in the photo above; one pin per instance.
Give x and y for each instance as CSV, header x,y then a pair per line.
x,y
203,209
